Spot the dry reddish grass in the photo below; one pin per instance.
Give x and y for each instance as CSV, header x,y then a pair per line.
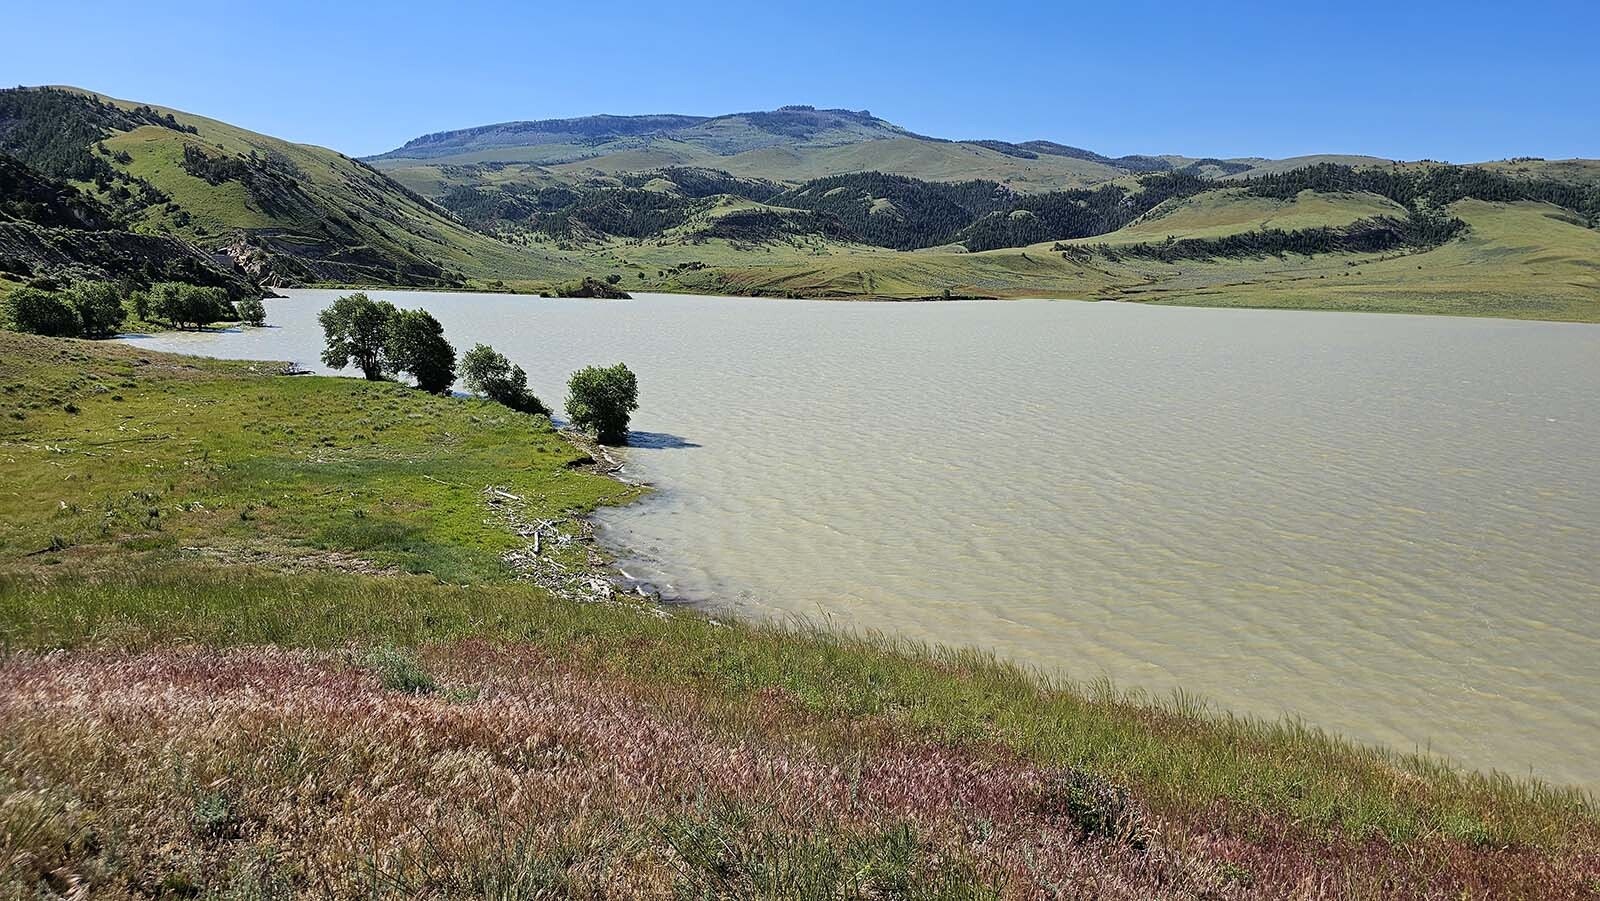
x,y
267,772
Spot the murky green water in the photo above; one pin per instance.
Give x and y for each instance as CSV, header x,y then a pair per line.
x,y
1389,525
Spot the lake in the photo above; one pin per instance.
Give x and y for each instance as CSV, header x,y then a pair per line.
x,y
1388,525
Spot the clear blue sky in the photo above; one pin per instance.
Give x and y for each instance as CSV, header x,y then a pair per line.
x,y
1457,81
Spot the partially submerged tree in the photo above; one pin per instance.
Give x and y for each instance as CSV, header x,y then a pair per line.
x,y
357,331
416,345
188,306
600,399
486,371
252,311
41,313
100,309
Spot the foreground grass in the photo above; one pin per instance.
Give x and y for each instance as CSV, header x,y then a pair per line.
x,y
254,691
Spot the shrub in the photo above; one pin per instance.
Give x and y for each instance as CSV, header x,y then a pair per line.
x,y
357,330
252,311
1096,807
100,309
601,399
486,371
399,670
416,345
42,313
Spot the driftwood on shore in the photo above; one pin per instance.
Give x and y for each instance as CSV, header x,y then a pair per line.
x,y
598,458
580,578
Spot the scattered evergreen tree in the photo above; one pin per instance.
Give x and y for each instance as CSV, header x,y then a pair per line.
x,y
415,345
601,400
100,309
486,371
41,313
895,210
356,329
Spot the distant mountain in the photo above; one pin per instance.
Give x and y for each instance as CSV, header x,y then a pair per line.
x,y
533,134
789,126
792,145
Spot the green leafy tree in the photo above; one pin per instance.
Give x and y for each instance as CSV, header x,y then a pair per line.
x,y
141,304
416,345
600,399
486,371
42,313
252,311
356,328
188,306
100,309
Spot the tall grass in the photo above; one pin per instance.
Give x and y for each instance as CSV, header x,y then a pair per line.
x,y
1176,754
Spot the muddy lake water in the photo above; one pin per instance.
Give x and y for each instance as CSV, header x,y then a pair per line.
x,y
1386,525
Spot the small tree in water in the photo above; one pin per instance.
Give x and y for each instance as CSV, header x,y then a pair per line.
x,y
416,345
188,306
357,331
252,311
601,399
486,371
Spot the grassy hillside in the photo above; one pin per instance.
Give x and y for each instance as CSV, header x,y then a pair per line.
x,y
261,636
290,213
914,157
1227,212
1519,260
345,221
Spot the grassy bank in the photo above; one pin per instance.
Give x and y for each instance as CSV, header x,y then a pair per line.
x,y
286,656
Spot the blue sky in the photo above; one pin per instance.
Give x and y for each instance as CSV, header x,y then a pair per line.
x,y
1455,81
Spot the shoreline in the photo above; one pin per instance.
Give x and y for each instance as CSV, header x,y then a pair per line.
x,y
1270,703
464,680
509,291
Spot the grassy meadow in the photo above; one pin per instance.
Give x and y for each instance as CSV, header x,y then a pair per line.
x,y
262,639
1521,260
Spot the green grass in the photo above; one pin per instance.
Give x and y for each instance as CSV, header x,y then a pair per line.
x,y
1215,214
160,453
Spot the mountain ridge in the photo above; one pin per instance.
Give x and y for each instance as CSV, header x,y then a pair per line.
x,y
731,132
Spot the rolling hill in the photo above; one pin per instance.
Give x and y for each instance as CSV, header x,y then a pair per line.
x,y
286,213
794,202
